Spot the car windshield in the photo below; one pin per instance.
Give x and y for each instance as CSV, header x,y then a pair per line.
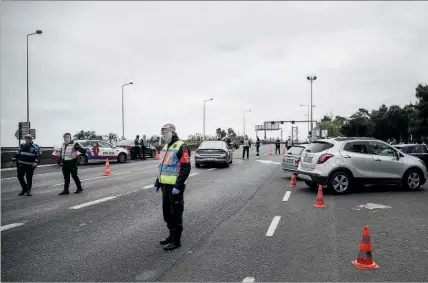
x,y
295,150
212,144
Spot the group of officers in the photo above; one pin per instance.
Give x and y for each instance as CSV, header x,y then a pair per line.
x,y
140,148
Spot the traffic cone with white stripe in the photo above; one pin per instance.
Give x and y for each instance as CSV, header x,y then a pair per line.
x,y
270,149
320,198
364,258
107,171
293,180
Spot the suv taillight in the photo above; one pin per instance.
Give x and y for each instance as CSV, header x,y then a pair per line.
x,y
297,161
323,158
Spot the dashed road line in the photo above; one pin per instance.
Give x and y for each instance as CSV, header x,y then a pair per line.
x,y
93,202
211,169
249,279
10,226
193,174
273,225
286,196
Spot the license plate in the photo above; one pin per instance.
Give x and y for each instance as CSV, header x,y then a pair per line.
x,y
210,159
307,159
290,160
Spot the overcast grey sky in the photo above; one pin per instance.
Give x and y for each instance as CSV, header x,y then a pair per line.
x,y
246,55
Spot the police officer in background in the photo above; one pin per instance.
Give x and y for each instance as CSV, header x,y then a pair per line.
x,y
246,147
28,158
174,169
143,147
289,143
258,146
137,147
278,146
68,161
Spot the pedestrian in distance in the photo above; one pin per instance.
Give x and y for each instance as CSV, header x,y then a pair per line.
x,y
27,158
143,147
246,147
68,162
174,169
258,146
289,143
277,146
137,147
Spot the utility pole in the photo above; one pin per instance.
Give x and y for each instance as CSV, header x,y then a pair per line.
x,y
28,87
123,111
247,111
311,79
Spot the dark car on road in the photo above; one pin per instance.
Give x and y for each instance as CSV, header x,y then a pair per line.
x,y
130,146
418,150
213,152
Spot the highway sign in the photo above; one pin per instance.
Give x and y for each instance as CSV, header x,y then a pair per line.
x,y
33,133
272,126
260,128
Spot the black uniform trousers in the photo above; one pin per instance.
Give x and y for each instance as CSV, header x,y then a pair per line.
x,y
277,149
70,168
28,171
143,152
246,149
258,149
173,207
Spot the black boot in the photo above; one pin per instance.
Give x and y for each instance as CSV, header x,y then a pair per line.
x,y
175,240
167,240
79,190
29,193
22,193
64,192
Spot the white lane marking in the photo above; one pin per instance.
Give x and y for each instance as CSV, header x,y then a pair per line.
x,y
193,174
273,226
211,169
92,202
286,196
268,162
249,279
148,187
10,226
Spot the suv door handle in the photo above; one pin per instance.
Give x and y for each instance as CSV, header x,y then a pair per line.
x,y
346,156
378,160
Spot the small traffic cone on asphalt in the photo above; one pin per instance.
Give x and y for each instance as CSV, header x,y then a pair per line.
x,y
270,149
283,151
156,155
364,258
320,198
293,180
107,171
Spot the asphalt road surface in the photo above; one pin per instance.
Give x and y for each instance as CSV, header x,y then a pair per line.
x,y
241,223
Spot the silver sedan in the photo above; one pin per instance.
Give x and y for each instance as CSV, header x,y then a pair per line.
x,y
213,152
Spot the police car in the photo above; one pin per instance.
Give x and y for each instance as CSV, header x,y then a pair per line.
x,y
99,152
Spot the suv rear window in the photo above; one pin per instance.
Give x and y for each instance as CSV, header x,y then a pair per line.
x,y
318,146
295,150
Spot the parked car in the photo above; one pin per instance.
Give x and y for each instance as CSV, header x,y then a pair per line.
x,y
291,159
99,152
130,146
213,152
341,163
417,150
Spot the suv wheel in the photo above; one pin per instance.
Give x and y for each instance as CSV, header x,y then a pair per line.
x,y
82,160
339,183
412,180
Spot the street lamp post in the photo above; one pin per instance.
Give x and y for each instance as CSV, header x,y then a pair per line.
x,y
203,132
28,87
306,105
245,112
311,79
123,111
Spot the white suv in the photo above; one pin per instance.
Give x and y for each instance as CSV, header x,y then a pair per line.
x,y
340,163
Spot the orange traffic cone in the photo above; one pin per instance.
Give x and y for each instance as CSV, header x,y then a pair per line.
x,y
283,151
156,155
364,258
320,198
293,180
270,149
107,171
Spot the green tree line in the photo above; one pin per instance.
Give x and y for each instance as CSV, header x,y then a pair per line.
x,y
404,124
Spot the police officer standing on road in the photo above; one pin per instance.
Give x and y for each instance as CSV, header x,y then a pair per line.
x,y
246,147
289,143
278,146
143,147
258,146
174,169
28,158
68,161
137,147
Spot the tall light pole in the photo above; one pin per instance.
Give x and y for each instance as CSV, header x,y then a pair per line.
x,y
28,87
245,112
203,133
306,105
311,79
123,112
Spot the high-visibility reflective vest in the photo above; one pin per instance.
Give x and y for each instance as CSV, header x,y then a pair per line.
x,y
68,152
169,165
246,142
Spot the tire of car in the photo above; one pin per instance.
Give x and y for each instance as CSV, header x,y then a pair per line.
x,y
121,158
198,165
412,180
82,160
340,183
311,185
